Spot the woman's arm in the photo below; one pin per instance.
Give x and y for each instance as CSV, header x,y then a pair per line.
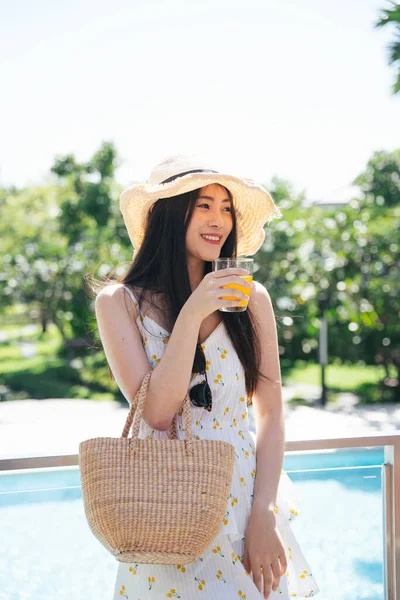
x,y
268,407
263,543
116,317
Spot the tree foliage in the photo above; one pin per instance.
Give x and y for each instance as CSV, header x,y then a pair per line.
x,y
53,236
392,16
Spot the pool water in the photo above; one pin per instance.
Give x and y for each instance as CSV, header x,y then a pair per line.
x,y
48,551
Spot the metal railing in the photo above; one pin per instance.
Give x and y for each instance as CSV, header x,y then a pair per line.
x,y
390,479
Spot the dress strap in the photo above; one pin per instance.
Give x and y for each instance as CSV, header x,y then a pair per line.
x,y
131,294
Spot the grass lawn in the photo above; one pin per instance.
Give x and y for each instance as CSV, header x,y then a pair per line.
x,y
341,378
48,374
32,365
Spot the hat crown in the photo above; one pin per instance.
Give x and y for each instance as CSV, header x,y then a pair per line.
x,y
177,165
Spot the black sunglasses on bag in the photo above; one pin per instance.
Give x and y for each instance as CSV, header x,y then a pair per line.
x,y
200,394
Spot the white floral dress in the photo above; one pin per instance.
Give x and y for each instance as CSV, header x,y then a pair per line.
x,y
219,573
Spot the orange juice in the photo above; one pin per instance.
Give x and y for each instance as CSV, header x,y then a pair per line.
x,y
245,290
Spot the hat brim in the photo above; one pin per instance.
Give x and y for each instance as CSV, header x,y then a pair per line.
x,y
254,206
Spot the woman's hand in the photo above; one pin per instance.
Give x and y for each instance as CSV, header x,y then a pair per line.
x,y
264,550
207,297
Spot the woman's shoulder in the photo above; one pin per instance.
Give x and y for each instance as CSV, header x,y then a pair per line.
x,y
258,293
114,290
260,302
116,293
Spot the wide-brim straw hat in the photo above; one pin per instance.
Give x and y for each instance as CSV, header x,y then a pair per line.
x,y
254,207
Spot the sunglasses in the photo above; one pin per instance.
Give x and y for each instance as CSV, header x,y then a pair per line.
x,y
200,394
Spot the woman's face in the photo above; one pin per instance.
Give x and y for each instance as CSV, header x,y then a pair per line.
x,y
212,215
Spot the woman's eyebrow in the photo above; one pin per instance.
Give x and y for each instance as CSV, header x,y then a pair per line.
x,y
211,199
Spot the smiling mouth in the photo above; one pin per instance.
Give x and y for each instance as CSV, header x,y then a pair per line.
x,y
215,241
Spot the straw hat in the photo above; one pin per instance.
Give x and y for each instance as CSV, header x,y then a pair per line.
x,y
178,174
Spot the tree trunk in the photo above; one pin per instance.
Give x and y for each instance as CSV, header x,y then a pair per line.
x,y
43,320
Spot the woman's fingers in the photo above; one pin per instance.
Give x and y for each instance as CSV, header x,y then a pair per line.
x,y
246,561
267,580
275,567
283,561
257,578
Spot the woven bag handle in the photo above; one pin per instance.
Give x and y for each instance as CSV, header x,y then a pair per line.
x,y
136,411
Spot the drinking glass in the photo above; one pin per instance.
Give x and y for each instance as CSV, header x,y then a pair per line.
x,y
242,263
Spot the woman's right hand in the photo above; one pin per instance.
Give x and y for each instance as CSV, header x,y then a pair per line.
x,y
207,297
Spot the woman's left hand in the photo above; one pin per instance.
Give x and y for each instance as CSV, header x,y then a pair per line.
x,y
264,554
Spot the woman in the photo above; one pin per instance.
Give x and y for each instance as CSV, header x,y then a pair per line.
x,y
164,311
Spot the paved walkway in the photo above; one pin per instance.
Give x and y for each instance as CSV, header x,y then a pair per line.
x,y
56,426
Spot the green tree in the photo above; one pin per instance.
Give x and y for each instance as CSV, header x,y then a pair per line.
x,y
91,223
392,15
52,236
33,250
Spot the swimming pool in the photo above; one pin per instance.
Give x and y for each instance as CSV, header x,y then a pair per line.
x,y
49,552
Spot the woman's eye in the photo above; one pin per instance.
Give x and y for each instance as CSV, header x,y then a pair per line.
x,y
200,205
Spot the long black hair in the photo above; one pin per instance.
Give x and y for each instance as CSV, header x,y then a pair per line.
x,y
160,267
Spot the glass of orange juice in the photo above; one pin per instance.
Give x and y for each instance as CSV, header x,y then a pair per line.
x,y
242,263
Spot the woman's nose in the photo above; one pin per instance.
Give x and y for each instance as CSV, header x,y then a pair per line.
x,y
215,218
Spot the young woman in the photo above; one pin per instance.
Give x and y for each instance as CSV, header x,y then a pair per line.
x,y
164,313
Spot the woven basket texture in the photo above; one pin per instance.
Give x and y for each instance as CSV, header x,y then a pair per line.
x,y
155,501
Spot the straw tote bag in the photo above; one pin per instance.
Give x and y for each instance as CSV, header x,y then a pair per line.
x,y
155,501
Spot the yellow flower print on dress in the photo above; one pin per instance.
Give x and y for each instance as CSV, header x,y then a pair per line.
x,y
172,594
181,568
253,473
241,595
276,509
223,352
220,576
216,424
122,591
237,376
144,341
151,580
133,569
241,434
155,357
207,364
303,575
199,423
166,339
219,379
241,399
235,558
234,422
225,520
200,583
226,410
217,550
293,514
290,552
243,481
246,453
233,500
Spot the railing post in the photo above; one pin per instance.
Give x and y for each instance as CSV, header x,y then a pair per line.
x,y
391,497
389,558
